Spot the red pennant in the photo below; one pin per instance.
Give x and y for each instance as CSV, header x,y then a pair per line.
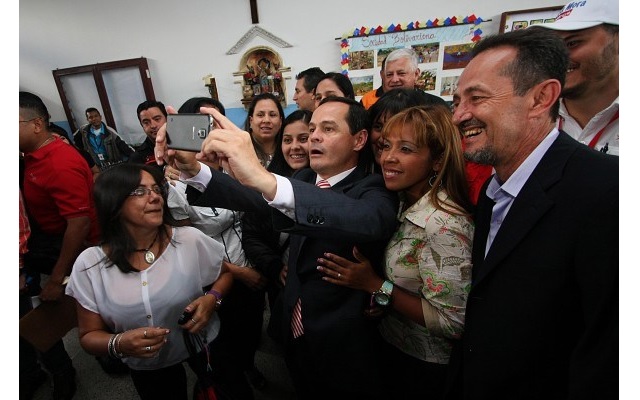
x,y
471,18
417,24
378,29
398,28
363,30
436,22
453,20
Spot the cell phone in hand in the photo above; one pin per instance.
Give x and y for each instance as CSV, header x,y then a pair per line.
x,y
185,317
188,131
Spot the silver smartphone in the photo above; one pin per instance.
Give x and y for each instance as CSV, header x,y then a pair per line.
x,y
188,131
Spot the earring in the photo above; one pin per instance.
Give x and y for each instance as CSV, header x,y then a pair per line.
x,y
432,179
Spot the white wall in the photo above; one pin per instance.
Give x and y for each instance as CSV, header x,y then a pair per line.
x,y
184,41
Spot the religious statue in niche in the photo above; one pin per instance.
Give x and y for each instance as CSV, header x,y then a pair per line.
x,y
261,72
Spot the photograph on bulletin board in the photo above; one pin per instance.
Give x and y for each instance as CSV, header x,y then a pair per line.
x,y
427,80
427,53
457,56
362,84
448,85
361,59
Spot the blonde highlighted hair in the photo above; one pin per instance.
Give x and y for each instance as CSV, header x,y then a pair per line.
x,y
433,127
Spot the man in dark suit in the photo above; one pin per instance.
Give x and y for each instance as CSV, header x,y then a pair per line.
x,y
542,314
339,352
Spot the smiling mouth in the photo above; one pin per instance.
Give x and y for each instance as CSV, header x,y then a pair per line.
x,y
298,156
391,173
469,133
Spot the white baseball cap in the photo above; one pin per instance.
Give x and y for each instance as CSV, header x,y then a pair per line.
x,y
585,14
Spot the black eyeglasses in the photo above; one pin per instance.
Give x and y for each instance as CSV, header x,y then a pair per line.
x,y
28,120
141,191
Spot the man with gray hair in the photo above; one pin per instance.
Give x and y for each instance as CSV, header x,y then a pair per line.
x,y
399,70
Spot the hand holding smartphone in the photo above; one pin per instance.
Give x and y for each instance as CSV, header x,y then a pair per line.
x,y
188,131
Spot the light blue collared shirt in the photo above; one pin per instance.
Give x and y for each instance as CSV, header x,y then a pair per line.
x,y
505,194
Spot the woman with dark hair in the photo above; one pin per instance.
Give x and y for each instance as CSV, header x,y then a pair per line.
x,y
133,287
333,84
264,122
192,106
428,259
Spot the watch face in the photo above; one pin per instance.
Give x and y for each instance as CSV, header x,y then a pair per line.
x,y
382,299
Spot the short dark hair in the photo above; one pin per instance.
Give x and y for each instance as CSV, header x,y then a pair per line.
x,y
541,54
112,187
53,128
357,117
311,78
343,83
91,109
35,106
192,106
396,100
147,104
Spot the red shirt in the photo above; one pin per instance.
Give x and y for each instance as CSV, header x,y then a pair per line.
x,y
58,185
477,175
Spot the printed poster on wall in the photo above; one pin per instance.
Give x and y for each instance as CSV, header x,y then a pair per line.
x,y
442,52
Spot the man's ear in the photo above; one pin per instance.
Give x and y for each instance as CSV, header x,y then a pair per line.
x,y
544,96
360,139
39,125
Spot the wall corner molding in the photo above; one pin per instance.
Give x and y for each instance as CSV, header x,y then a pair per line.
x,y
257,31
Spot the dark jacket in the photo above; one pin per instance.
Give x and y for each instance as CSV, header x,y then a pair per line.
x,y
117,149
542,314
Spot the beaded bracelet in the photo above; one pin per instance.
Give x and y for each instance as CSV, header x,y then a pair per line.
x,y
217,295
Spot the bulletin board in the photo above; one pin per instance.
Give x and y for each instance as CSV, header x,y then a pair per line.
x,y
443,48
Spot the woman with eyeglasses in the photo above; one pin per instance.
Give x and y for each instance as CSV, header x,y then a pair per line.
x,y
132,289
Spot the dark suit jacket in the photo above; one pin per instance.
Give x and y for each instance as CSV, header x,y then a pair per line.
x,y
358,211
542,314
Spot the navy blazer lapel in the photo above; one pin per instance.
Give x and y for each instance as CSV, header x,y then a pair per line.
x,y
309,176
531,204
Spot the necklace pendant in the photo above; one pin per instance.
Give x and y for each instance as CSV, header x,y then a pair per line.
x,y
149,257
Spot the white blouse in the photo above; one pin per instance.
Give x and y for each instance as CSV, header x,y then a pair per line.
x,y
155,297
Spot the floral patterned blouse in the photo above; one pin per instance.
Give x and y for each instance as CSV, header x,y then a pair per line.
x,y
429,256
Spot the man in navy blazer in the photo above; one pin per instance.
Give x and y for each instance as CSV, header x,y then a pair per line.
x,y
542,314
340,353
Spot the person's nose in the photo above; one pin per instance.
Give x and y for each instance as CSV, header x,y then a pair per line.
x,y
460,113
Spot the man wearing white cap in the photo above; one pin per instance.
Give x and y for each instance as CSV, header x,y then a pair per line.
x,y
589,104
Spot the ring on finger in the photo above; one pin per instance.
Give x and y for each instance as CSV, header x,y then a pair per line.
x,y
144,334
194,321
339,275
148,348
